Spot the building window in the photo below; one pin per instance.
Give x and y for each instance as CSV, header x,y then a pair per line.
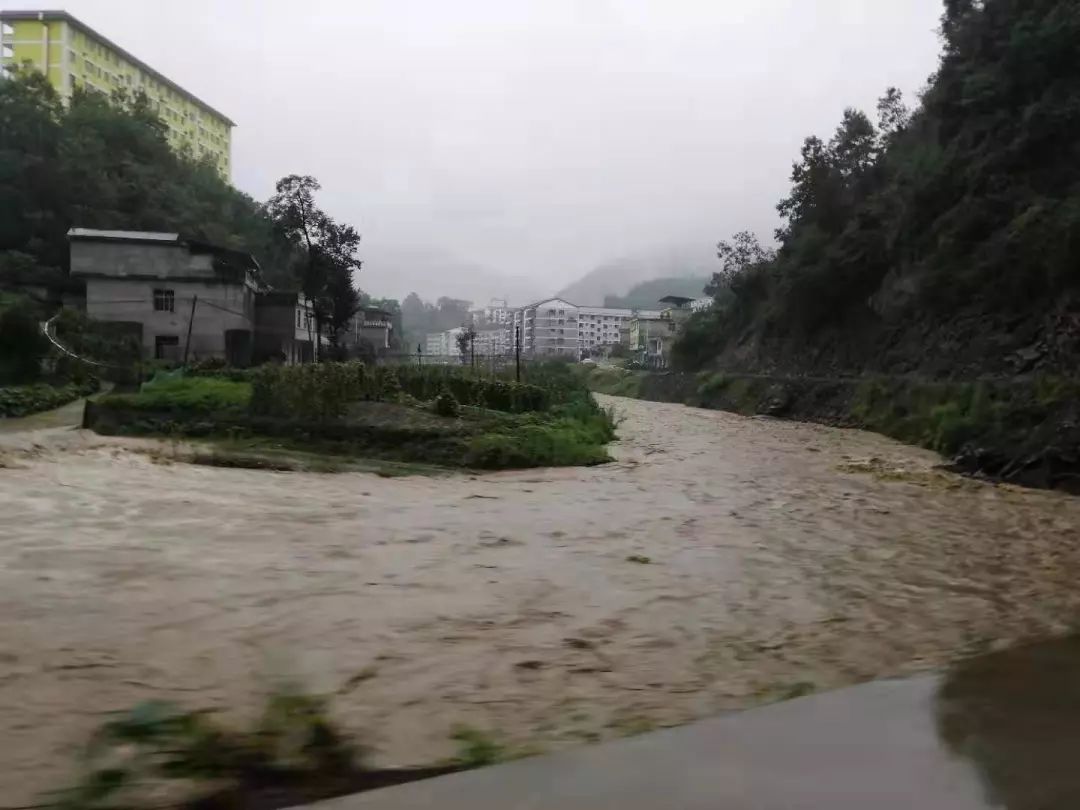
x,y
164,301
166,347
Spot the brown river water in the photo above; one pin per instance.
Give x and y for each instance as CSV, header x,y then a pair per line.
x,y
775,558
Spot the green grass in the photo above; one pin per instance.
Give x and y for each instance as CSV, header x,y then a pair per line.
x,y
476,748
570,435
199,395
617,382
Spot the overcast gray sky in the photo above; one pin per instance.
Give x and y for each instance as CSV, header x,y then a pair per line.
x,y
534,137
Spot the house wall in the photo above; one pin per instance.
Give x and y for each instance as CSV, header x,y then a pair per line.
x,y
137,259
606,326
220,307
280,331
549,327
377,334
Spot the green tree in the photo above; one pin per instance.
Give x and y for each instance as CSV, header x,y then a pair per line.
x,y
22,346
965,210
328,251
106,163
466,341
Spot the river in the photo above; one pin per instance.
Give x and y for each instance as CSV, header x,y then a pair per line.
x,y
770,558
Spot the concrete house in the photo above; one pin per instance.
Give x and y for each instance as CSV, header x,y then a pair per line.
x,y
369,330
185,295
652,334
284,328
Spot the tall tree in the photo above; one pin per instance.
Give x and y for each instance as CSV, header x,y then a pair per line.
x,y
328,250
893,114
736,257
102,162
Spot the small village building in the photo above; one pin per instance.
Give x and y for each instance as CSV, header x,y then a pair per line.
x,y
183,297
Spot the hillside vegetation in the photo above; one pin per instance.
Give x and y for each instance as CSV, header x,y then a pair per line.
x,y
107,163
646,294
943,241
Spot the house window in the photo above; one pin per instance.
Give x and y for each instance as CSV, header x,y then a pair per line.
x,y
166,347
164,301
297,319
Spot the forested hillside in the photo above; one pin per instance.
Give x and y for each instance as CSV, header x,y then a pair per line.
x,y
646,294
943,240
102,163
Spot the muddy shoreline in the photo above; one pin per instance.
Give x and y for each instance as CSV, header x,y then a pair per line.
x,y
782,558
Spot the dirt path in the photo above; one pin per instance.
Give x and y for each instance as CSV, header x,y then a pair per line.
x,y
784,557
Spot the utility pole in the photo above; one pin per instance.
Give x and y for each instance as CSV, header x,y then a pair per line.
x,y
191,321
472,345
419,357
517,351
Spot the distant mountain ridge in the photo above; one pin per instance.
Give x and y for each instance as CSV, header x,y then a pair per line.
x,y
647,294
393,271
618,277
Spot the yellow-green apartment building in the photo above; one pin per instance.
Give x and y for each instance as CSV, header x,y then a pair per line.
x,y
73,55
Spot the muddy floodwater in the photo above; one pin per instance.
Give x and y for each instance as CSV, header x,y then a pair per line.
x,y
769,559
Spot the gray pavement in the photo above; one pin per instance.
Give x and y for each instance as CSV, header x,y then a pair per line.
x,y
870,746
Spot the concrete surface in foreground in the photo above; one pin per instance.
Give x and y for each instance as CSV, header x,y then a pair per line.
x,y
870,746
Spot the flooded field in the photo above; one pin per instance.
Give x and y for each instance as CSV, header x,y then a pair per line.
x,y
721,562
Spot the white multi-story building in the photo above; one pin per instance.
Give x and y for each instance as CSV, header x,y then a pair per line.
x,y
496,313
442,344
547,327
606,326
557,327
491,342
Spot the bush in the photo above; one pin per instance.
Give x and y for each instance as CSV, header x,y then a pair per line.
x,y
27,399
116,343
316,392
493,393
446,405
201,395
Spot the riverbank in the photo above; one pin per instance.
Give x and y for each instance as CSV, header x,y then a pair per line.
x,y
1024,430
720,562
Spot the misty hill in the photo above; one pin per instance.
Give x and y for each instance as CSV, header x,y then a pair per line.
x,y
616,278
646,294
394,271
943,241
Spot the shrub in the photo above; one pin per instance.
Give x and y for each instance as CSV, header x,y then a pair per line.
x,y
157,747
191,394
446,405
314,392
27,399
117,343
493,393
